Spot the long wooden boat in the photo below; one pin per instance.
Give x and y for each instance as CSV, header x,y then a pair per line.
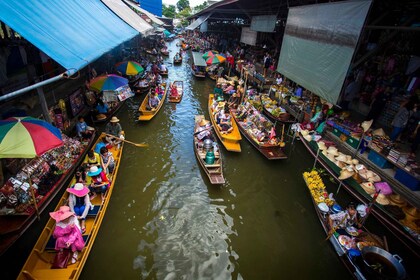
x,y
198,74
214,171
163,73
270,111
271,150
178,61
38,264
180,88
355,265
147,115
230,140
164,52
141,86
13,226
378,210
102,118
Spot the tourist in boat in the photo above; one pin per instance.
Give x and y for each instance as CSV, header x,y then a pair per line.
x,y
67,232
153,101
159,90
107,160
79,176
204,130
229,88
174,91
93,158
83,130
98,182
79,203
340,221
114,128
177,56
225,124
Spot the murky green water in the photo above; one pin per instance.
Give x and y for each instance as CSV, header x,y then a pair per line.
x,y
165,221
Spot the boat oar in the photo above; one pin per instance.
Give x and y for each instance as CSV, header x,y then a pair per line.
x,y
282,144
335,228
198,132
143,145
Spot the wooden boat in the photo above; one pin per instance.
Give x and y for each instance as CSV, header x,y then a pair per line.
x,y
214,171
231,140
164,52
198,73
198,68
269,148
102,118
163,73
150,52
38,264
355,265
141,86
273,111
13,226
378,210
178,61
147,115
180,88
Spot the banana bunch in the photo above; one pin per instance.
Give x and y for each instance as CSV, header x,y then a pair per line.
x,y
317,188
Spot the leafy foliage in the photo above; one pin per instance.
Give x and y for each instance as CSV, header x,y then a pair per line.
x,y
200,7
182,5
169,11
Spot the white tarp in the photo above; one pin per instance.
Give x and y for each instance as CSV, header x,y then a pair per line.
x,y
265,23
128,15
198,22
319,43
248,36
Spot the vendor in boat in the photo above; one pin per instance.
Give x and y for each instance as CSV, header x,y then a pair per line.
x,y
83,130
93,158
98,182
79,203
114,128
67,232
174,91
203,130
101,107
107,160
225,124
153,101
229,88
218,91
340,221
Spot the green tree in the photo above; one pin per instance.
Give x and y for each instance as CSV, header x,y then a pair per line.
x,y
183,15
182,5
200,7
169,11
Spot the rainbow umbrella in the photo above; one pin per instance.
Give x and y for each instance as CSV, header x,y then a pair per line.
x,y
27,137
107,82
216,59
209,54
129,68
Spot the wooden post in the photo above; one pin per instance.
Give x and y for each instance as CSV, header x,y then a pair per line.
x,y
316,158
34,198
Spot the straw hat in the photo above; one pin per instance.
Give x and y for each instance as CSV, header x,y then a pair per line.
x,y
332,150
412,213
308,137
378,132
203,122
345,174
355,161
100,117
62,214
349,160
324,152
381,199
339,163
341,157
114,119
304,132
368,187
330,157
221,105
359,167
94,171
396,199
366,125
79,190
321,146
372,176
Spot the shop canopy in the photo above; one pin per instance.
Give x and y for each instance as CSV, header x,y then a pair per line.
x,y
198,59
198,21
129,16
143,11
73,33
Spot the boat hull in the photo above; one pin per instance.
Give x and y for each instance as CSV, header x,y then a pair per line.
x,y
147,115
180,87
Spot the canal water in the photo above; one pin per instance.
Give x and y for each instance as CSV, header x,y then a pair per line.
x,y
166,221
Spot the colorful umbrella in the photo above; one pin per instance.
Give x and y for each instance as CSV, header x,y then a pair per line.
x,y
129,68
27,137
107,82
209,54
215,59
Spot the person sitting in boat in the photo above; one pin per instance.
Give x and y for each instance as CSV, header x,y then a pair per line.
x,y
177,56
174,91
67,232
225,124
159,90
218,91
163,68
83,130
204,130
79,203
100,144
234,99
79,176
340,221
101,107
153,101
98,182
93,158
158,79
114,129
107,161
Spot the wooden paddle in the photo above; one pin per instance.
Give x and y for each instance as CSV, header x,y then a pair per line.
x,y
143,145
198,132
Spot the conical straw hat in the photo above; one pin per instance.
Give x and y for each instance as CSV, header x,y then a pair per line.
x,y
366,125
378,132
321,146
397,200
412,213
304,132
342,158
332,150
368,187
382,199
345,174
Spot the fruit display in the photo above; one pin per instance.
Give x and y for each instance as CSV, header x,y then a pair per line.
x,y
271,106
317,187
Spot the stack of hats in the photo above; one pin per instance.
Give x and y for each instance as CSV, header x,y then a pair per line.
x,y
397,200
381,199
412,218
368,187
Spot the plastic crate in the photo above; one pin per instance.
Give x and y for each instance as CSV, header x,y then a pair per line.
x,y
379,160
408,180
353,142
